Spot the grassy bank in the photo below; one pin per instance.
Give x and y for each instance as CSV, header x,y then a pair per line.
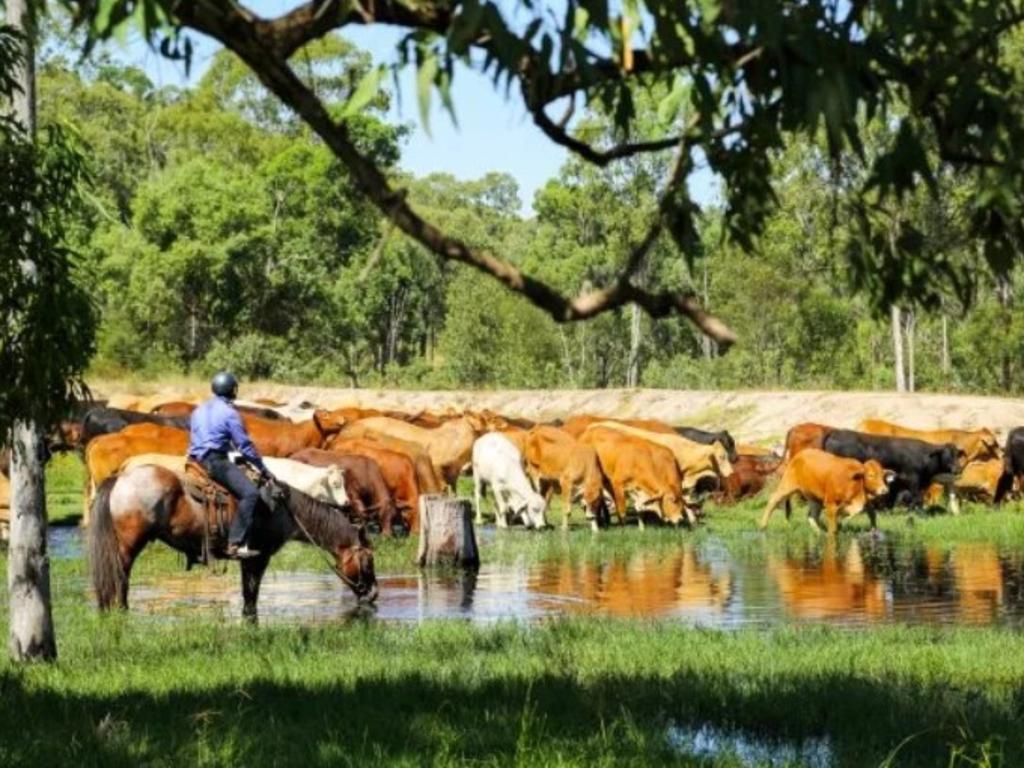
x,y
138,689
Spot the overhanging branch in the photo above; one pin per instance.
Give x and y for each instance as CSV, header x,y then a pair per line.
x,y
235,31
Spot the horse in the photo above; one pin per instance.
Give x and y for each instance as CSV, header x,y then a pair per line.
x,y
150,502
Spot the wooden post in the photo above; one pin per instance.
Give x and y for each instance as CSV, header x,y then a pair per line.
x,y
446,532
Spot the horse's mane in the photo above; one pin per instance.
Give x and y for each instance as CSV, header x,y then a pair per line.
x,y
325,523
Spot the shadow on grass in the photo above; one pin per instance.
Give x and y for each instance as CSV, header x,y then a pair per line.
x,y
548,720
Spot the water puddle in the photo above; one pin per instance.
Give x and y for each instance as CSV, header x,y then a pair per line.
x,y
712,584
708,742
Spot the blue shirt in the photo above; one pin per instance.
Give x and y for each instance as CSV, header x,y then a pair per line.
x,y
217,427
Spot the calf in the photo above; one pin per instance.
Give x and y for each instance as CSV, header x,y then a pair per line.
x,y
499,464
837,484
917,464
364,483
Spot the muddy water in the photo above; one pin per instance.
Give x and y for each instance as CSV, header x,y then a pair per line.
x,y
750,583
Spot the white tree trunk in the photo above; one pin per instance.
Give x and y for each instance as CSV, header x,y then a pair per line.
x,y
633,366
910,324
897,347
945,348
31,634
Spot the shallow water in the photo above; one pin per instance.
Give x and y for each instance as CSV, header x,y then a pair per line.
x,y
712,584
707,742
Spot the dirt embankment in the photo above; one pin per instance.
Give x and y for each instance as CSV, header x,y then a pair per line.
x,y
756,417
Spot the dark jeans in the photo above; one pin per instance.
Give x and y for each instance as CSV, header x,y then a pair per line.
x,y
222,471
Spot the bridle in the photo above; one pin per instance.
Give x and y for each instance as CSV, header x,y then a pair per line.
x,y
357,550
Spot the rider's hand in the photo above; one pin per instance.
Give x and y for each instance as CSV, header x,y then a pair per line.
x,y
266,477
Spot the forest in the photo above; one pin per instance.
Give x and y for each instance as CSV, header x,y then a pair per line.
x,y
216,230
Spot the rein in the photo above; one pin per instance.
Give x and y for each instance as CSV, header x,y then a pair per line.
x,y
354,586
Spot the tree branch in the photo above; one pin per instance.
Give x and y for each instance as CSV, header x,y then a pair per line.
x,y
226,23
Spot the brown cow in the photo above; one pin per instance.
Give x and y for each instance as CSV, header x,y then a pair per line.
x,y
646,469
979,480
836,483
750,473
696,461
449,446
365,486
807,435
283,438
425,474
553,457
398,471
973,445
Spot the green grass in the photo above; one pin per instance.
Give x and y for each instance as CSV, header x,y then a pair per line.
x,y
138,689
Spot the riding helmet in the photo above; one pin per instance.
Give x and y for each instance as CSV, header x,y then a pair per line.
x,y
225,384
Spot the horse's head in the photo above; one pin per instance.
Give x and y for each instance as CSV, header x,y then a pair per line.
x,y
354,564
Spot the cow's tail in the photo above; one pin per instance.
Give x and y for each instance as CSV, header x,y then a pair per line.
x,y
106,566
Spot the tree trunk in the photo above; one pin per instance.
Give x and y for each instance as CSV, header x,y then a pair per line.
x,y
31,634
945,349
897,347
446,532
633,364
910,324
705,341
1004,292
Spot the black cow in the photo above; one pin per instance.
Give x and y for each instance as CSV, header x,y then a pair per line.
x,y
103,421
1013,463
916,463
709,438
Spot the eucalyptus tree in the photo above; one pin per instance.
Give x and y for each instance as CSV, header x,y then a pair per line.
x,y
750,75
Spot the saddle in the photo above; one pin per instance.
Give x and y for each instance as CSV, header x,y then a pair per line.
x,y
218,505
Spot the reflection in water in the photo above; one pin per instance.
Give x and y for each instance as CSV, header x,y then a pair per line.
x,y
866,580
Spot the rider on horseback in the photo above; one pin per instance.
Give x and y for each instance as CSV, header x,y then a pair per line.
x,y
217,428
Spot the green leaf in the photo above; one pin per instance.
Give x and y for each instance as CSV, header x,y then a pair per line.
x,y
364,92
424,84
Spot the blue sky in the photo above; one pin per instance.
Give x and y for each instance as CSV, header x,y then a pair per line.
x,y
493,134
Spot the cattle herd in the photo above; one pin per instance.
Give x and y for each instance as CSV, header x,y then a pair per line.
x,y
608,466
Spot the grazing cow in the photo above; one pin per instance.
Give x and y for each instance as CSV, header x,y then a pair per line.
x,y
835,483
553,458
449,446
1013,464
106,421
973,445
645,470
397,469
710,438
979,480
327,484
367,490
699,465
499,464
750,473
428,478
917,464
803,436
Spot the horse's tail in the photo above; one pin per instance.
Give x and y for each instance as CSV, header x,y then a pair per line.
x,y
105,563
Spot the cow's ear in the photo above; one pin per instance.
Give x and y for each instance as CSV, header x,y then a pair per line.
x,y
858,475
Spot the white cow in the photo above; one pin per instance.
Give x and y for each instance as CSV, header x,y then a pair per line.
x,y
498,463
322,483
